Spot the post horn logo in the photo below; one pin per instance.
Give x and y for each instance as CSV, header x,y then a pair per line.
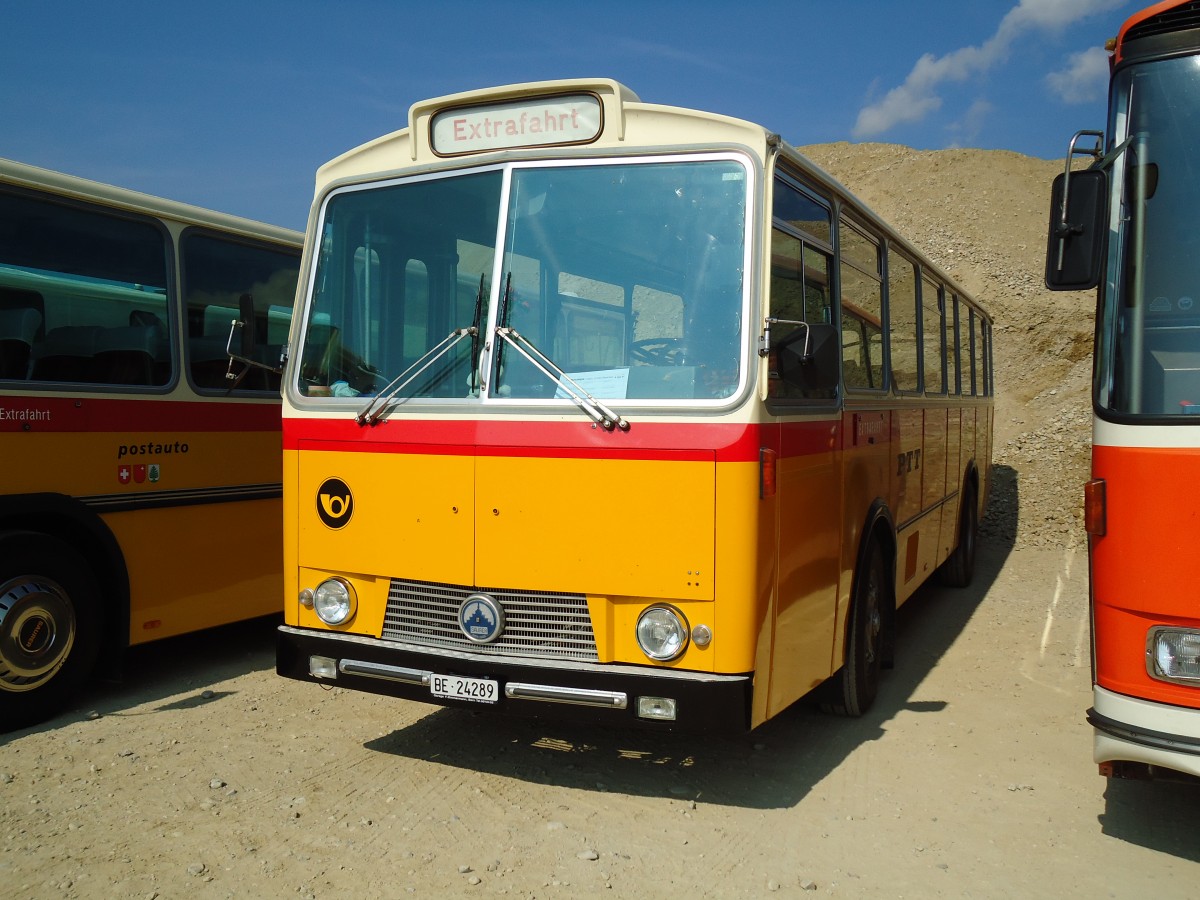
x,y
335,503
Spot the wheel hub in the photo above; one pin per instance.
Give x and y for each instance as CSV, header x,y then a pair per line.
x,y
37,630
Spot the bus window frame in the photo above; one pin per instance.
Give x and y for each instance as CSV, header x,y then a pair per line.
x,y
807,240
926,279
183,354
488,399
844,218
170,297
917,313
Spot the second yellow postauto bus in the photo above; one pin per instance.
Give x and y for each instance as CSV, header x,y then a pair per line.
x,y
617,412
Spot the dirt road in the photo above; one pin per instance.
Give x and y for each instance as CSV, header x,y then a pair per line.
x,y
971,777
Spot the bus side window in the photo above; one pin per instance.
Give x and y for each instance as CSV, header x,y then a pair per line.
x,y
226,280
954,356
862,303
799,293
902,316
800,267
933,332
74,281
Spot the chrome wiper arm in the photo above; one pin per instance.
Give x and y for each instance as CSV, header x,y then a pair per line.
x,y
597,411
372,412
476,333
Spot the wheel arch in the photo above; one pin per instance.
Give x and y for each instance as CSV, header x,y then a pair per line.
x,y
72,522
879,527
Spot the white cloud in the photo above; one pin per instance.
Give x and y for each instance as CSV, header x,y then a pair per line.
x,y
1084,79
967,129
918,96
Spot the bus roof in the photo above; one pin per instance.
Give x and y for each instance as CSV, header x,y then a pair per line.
x,y
27,176
496,124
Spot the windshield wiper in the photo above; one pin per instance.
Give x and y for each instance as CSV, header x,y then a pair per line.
x,y
475,335
373,411
596,411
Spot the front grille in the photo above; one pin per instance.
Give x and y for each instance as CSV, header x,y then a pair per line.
x,y
540,624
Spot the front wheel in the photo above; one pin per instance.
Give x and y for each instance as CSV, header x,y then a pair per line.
x,y
49,626
857,683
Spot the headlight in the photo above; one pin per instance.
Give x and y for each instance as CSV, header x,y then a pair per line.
x,y
1173,654
334,602
662,632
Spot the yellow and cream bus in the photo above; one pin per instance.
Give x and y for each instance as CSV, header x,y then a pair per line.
x,y
140,485
618,412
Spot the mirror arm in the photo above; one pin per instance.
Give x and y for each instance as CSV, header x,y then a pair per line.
x,y
1065,228
235,326
764,339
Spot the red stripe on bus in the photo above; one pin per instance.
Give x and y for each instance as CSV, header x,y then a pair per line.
x,y
644,440
95,414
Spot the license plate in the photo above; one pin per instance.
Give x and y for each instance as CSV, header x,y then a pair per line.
x,y
455,687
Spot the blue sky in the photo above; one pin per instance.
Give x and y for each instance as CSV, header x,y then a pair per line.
x,y
234,105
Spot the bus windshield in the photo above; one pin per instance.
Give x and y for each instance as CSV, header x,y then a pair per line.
x,y
1148,360
626,277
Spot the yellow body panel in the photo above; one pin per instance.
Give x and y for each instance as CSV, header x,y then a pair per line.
x,y
411,515
809,543
626,533
570,524
86,464
194,567
191,562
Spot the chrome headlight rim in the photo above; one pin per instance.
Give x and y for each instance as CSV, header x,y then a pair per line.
x,y
1159,640
675,619
335,602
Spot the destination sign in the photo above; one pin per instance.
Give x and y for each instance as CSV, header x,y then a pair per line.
x,y
564,119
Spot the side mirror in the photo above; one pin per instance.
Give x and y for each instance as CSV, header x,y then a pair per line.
x,y
242,331
1078,233
249,331
808,357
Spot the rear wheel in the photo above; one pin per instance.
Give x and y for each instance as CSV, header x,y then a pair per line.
x,y
857,683
49,626
959,567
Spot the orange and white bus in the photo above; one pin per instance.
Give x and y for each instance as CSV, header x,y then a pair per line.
x,y
612,411
140,486
1129,229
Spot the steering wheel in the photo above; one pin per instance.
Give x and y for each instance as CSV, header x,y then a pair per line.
x,y
658,351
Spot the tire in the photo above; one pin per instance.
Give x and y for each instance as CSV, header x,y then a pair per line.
x,y
959,568
857,683
50,626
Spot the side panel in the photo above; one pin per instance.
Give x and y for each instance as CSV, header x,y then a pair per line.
x,y
198,566
907,500
955,467
810,533
190,490
869,469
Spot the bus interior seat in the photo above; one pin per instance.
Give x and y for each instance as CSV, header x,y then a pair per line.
x,y
18,329
65,354
127,355
21,298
